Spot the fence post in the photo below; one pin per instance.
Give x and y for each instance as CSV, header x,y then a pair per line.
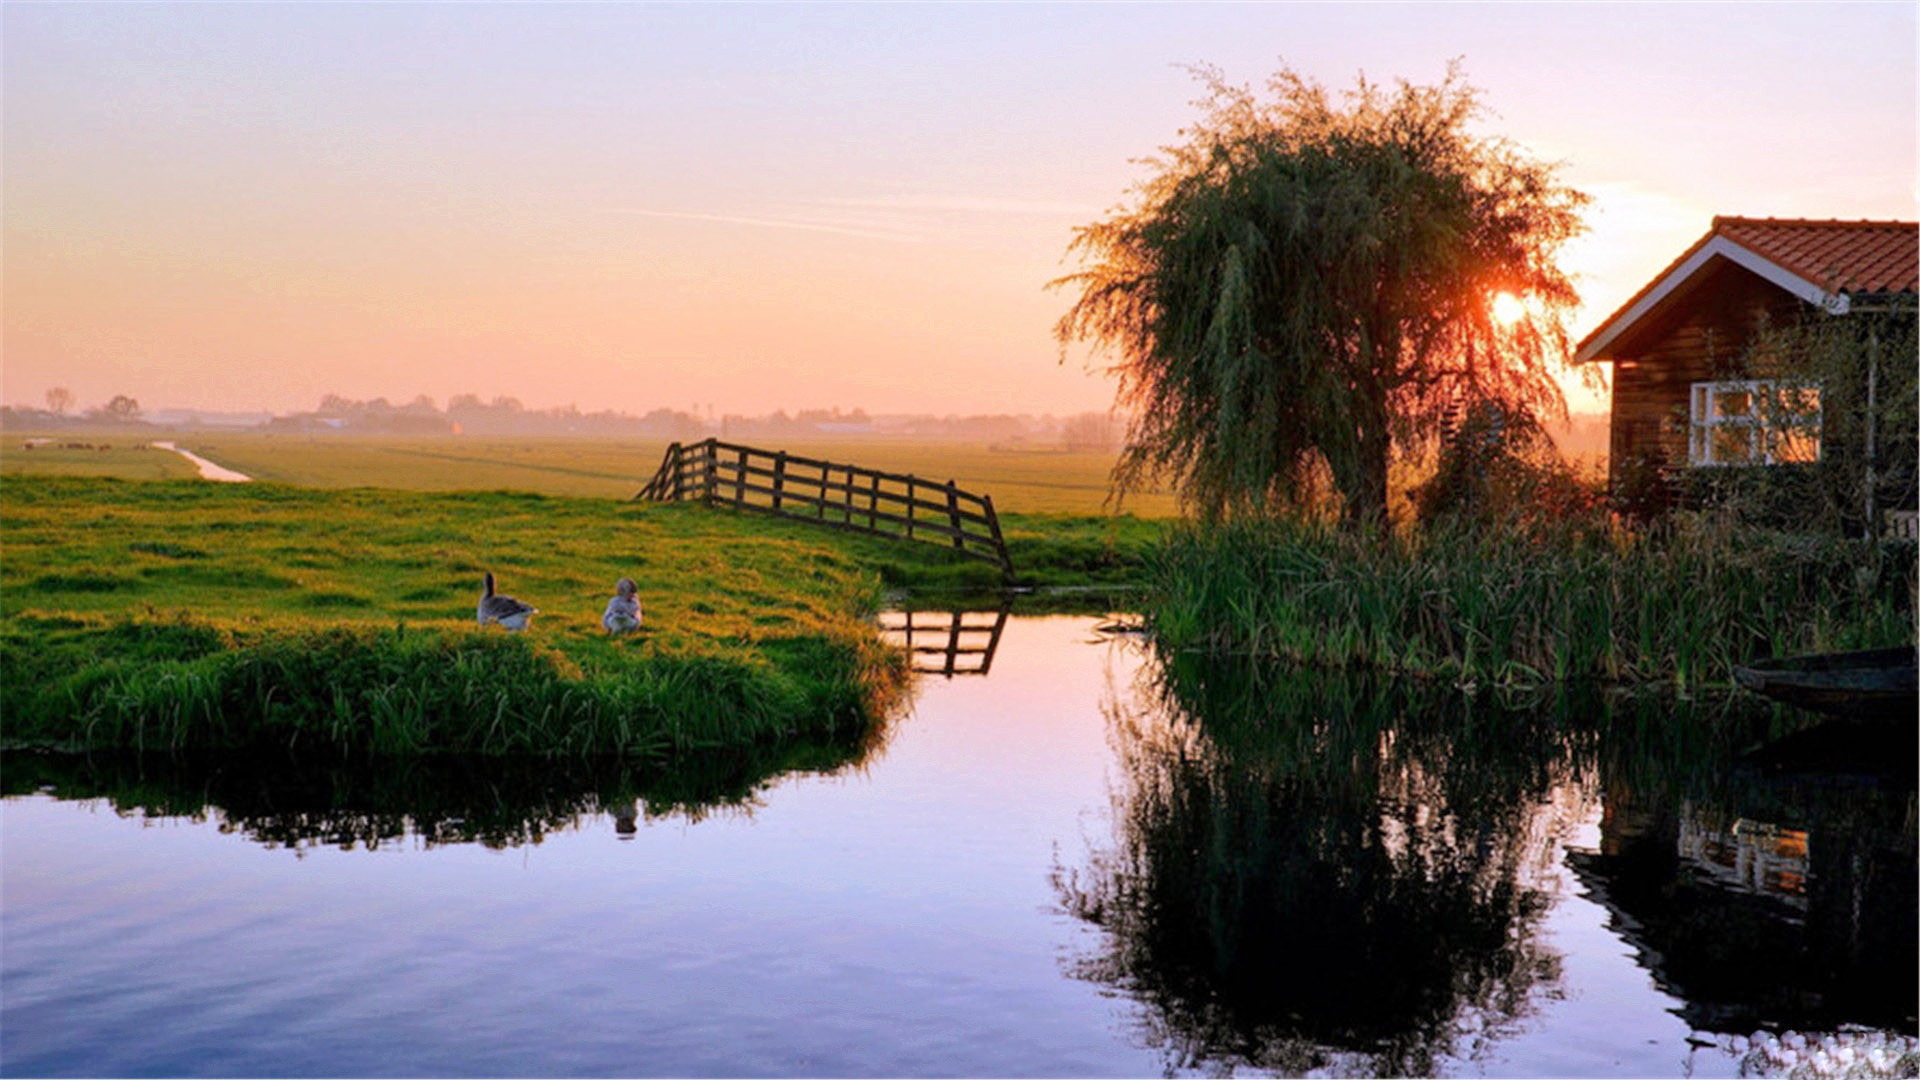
x,y
912,503
740,477
679,477
779,478
873,501
953,515
999,542
656,488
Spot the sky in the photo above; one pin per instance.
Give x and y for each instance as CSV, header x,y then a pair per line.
x,y
755,207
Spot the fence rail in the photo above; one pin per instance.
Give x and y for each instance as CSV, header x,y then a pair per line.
x,y
849,497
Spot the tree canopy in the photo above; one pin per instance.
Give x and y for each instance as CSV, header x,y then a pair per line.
x,y
1308,283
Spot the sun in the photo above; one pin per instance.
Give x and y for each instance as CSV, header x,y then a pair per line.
x,y
1508,309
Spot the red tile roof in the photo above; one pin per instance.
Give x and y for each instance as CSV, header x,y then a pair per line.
x,y
1854,257
1843,256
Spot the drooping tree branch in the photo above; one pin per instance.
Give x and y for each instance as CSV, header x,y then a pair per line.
x,y
1305,284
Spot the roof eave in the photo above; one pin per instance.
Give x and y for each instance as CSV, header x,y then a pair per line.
x,y
1597,344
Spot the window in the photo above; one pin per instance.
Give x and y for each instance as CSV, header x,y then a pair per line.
x,y
1754,422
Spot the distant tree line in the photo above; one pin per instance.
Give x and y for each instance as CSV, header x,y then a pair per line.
x,y
470,414
117,410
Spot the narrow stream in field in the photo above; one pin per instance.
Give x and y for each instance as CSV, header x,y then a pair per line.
x,y
1066,860
208,470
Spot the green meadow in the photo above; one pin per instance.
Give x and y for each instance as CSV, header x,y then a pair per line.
x,y
91,455
1020,481
176,614
331,602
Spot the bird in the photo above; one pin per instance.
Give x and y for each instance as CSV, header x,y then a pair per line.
x,y
623,611
504,610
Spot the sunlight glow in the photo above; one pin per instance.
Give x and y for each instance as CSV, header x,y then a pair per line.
x,y
1508,309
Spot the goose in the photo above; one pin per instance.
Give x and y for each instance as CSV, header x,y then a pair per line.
x,y
623,611
504,610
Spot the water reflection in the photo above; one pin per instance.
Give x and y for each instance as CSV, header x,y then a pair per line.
x,y
302,802
949,643
1778,897
1316,873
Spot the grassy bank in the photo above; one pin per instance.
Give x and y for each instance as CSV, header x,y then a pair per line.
x,y
164,615
1683,606
1048,551
188,614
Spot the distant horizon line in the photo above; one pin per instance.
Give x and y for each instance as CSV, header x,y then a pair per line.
x,y
445,408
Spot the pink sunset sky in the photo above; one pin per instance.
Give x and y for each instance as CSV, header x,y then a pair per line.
x,y
246,206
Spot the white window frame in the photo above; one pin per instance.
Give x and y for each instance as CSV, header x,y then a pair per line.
x,y
1760,421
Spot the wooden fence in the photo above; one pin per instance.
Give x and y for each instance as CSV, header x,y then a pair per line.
x,y
946,642
829,493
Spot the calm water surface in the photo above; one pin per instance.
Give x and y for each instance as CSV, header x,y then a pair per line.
x,y
1077,864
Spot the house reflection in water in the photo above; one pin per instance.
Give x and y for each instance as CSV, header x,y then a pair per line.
x,y
1753,922
1755,856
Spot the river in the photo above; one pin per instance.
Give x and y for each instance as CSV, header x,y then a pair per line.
x,y
1076,864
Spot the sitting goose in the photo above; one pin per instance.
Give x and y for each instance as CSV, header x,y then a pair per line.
x,y
504,610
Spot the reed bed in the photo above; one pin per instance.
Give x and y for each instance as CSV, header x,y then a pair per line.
x,y
1684,604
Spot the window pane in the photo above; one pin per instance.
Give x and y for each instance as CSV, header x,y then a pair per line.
x,y
1733,445
1796,444
1797,404
1733,402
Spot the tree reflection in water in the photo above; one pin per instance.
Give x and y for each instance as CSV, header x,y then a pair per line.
x,y
1313,872
303,802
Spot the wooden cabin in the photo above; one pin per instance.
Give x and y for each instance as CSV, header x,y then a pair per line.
x,y
1683,395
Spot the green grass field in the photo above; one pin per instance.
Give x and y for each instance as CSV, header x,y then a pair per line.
x,y
165,613
1020,482
91,455
185,613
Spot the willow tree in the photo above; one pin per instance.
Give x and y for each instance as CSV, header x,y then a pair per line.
x,y
1309,282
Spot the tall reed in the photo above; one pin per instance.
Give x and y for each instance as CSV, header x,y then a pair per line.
x,y
1682,605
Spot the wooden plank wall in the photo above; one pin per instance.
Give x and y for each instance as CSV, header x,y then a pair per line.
x,y
1704,338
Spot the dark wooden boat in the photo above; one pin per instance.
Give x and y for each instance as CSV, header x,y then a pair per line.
x,y
1877,684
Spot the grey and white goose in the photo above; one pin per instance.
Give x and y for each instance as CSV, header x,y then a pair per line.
x,y
502,609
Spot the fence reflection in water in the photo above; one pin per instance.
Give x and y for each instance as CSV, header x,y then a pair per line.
x,y
947,643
